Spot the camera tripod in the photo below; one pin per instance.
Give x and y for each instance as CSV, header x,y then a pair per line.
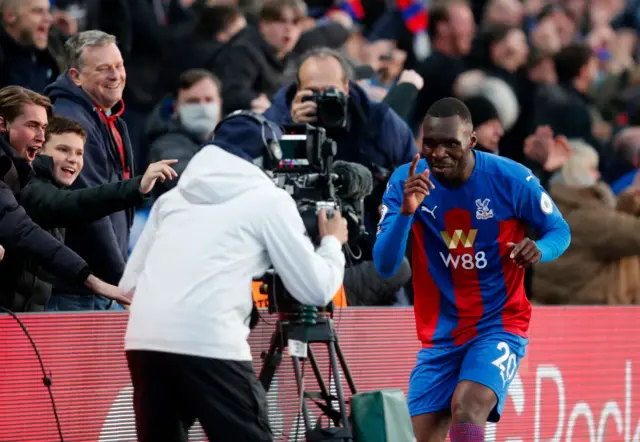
x,y
322,331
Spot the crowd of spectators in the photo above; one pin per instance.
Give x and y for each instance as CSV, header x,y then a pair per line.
x,y
103,103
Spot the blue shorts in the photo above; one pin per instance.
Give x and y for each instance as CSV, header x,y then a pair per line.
x,y
490,360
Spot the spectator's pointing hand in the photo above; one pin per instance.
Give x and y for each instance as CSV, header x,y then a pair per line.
x,y
157,171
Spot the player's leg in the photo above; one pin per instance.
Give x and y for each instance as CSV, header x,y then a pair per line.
x,y
431,386
157,407
470,408
488,368
431,427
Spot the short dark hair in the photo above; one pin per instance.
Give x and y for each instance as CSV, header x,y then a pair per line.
x,y
536,56
324,52
551,9
59,125
272,9
439,13
571,59
450,107
214,19
188,78
13,98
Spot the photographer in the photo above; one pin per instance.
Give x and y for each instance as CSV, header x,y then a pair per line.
x,y
365,132
190,276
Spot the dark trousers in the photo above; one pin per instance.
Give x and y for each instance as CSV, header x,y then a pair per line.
x,y
171,391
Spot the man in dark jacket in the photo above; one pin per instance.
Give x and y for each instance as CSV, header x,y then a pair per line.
x,y
253,65
22,238
178,128
48,202
90,92
373,135
262,58
215,28
451,28
25,59
23,116
566,107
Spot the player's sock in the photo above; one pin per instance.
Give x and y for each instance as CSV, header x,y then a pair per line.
x,y
466,433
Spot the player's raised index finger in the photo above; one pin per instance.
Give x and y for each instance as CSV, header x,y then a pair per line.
x,y
414,165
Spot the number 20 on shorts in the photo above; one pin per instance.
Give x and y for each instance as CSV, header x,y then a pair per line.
x,y
507,363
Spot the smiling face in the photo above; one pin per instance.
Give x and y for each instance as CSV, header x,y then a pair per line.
x,y
67,150
101,74
447,145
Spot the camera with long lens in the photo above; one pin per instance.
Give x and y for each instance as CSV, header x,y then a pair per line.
x,y
309,174
333,108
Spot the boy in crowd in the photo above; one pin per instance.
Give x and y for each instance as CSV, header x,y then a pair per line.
x,y
49,203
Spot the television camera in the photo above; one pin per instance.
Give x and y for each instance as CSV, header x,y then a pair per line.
x,y
308,172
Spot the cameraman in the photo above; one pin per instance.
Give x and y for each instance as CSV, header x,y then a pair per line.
x,y
190,276
365,132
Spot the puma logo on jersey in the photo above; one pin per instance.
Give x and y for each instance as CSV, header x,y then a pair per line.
x,y
430,212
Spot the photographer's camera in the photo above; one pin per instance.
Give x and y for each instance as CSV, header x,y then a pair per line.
x,y
332,108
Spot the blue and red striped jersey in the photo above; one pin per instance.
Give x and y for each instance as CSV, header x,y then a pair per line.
x,y
465,283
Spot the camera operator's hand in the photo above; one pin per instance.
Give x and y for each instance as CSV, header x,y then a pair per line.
x,y
416,188
160,170
100,287
1,253
304,111
336,226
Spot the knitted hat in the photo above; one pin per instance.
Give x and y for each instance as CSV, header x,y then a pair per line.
x,y
244,136
482,110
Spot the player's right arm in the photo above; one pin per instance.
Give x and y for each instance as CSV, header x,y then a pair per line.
x,y
402,198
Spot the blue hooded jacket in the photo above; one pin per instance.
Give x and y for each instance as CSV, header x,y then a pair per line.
x,y
381,141
104,243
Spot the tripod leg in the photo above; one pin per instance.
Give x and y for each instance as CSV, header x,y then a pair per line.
x,y
336,371
271,361
316,371
303,403
345,367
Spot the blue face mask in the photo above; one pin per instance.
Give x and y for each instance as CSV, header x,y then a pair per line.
x,y
604,55
599,78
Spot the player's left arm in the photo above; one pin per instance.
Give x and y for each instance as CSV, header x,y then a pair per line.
x,y
534,206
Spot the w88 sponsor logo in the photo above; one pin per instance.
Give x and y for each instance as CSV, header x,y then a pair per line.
x,y
466,261
465,240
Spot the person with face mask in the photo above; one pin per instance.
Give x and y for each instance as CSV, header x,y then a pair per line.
x,y
197,109
602,263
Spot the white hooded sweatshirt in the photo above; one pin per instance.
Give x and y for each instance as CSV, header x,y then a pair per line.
x,y
192,268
